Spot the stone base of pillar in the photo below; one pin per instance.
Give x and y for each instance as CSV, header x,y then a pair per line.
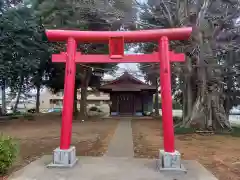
x,y
170,161
64,158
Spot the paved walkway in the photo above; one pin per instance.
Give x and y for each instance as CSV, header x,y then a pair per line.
x,y
117,164
121,144
109,168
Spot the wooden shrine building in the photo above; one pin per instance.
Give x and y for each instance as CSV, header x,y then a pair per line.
x,y
129,96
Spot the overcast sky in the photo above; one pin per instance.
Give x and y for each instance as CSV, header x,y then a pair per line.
x,y
131,68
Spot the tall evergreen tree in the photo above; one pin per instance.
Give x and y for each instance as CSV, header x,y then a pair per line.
x,y
79,15
22,48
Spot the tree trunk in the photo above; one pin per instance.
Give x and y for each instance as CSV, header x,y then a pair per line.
x,y
187,101
227,105
3,88
201,107
18,94
156,100
208,111
38,98
187,92
228,97
84,85
83,103
75,110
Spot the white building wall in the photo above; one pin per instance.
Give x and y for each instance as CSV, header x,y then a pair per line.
x,y
93,98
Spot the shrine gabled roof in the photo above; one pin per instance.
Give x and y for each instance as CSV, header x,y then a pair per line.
x,y
127,82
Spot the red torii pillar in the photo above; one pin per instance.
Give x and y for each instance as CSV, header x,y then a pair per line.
x,y
65,155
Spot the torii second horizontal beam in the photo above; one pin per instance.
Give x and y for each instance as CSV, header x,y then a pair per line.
x,y
133,58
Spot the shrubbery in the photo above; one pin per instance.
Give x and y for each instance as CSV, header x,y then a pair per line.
x,y
177,120
94,108
8,153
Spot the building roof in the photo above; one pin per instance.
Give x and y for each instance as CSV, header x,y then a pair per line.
x,y
126,82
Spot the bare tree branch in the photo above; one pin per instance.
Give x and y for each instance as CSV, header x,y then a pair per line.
x,y
202,12
168,15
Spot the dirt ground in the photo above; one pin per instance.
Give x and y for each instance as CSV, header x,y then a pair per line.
x,y
219,154
41,136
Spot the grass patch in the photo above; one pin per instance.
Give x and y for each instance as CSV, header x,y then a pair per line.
x,y
235,132
14,116
28,116
175,119
182,130
158,118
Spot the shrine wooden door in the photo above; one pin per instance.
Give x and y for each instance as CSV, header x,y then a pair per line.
x,y
126,103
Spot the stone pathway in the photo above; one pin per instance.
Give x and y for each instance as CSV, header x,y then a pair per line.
x,y
121,144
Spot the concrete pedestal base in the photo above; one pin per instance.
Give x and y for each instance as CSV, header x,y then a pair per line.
x,y
64,158
170,161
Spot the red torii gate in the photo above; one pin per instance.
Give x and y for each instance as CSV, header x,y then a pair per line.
x,y
65,155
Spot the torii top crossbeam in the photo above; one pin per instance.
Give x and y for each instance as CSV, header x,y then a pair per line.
x,y
128,36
